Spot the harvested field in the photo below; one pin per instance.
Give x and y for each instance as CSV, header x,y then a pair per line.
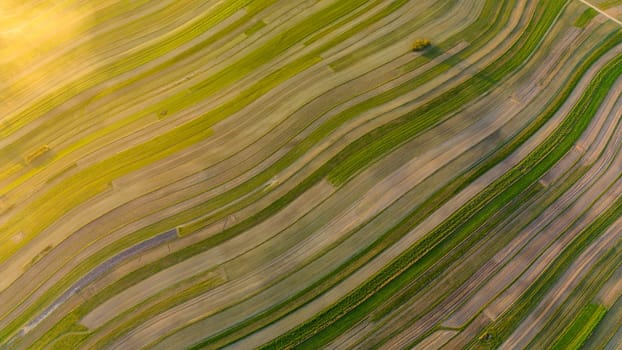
x,y
276,174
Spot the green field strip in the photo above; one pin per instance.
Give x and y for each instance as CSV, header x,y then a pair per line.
x,y
89,139
140,29
577,332
381,43
360,11
428,333
501,328
520,212
585,18
606,328
121,66
375,144
257,26
597,275
155,269
474,30
559,331
54,123
69,341
170,296
485,242
183,296
544,156
337,275
324,130
69,338
193,129
118,8
75,335
271,315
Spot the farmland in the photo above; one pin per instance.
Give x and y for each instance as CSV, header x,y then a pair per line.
x,y
342,174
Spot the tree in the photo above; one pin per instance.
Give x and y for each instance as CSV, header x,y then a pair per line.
x,y
420,44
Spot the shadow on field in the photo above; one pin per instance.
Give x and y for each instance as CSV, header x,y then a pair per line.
x,y
457,62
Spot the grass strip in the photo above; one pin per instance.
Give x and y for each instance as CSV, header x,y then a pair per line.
x,y
386,138
169,297
71,192
146,271
123,65
359,303
139,317
257,26
160,147
61,120
584,293
495,333
156,267
324,131
606,328
585,18
415,217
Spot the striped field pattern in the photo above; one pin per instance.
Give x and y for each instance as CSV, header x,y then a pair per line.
x,y
276,174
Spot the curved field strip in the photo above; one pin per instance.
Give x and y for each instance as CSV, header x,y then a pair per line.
x,y
277,174
459,319
451,152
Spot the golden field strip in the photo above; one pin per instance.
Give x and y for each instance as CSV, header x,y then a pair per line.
x,y
276,174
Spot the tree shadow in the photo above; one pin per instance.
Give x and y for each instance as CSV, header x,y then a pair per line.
x,y
456,61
